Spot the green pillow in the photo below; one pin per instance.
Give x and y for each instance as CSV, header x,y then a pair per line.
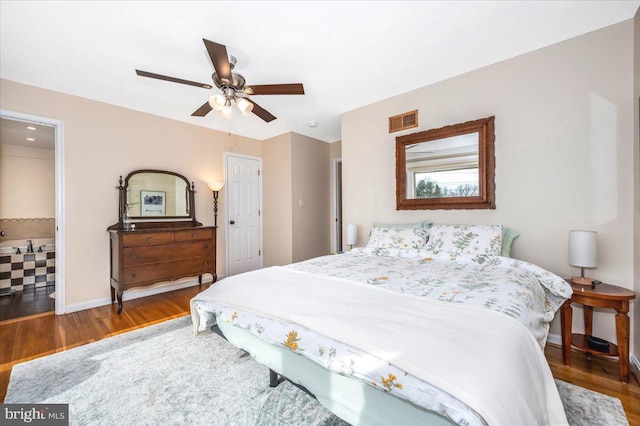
x,y
508,235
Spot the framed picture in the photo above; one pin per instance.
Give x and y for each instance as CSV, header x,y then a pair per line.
x,y
152,203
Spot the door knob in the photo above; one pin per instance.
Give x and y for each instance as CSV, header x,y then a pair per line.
x,y
231,222
2,234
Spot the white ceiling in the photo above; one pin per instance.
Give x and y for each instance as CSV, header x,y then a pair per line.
x,y
347,54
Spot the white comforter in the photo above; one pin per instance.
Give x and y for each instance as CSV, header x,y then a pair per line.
x,y
486,359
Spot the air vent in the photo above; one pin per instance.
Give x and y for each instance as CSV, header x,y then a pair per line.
x,y
403,121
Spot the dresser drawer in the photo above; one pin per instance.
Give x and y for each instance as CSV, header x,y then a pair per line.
x,y
152,273
133,256
194,234
146,238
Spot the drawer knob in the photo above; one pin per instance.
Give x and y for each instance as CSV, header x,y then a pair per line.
x,y
206,246
133,256
149,238
194,235
133,275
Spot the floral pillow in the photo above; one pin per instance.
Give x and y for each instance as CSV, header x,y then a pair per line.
x,y
455,240
397,238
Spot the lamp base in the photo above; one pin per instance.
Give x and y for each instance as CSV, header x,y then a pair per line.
x,y
583,281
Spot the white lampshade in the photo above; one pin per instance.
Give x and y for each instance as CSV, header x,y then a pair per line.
x,y
226,112
217,102
216,186
583,250
244,106
351,237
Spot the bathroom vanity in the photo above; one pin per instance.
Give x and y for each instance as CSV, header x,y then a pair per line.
x,y
157,238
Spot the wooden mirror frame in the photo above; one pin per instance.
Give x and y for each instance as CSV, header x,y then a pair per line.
x,y
188,219
486,167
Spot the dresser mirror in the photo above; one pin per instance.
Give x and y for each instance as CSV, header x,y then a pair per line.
x,y
447,168
156,195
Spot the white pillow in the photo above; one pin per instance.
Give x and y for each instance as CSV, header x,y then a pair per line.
x,y
456,240
398,238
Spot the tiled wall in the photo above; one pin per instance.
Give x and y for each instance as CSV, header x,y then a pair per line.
x,y
26,229
27,270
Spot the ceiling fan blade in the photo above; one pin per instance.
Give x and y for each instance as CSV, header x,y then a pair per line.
x,y
219,58
261,112
202,111
172,79
276,89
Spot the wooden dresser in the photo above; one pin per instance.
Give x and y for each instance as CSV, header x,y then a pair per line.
x,y
148,256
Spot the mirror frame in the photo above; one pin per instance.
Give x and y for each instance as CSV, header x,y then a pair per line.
x,y
123,198
485,128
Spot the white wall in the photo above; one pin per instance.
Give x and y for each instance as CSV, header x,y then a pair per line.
x,y
564,153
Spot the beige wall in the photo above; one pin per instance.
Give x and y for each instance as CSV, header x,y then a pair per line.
x,y
636,168
564,153
295,169
310,175
27,182
102,142
276,186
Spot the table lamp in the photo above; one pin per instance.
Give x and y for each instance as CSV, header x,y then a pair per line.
x,y
351,238
583,254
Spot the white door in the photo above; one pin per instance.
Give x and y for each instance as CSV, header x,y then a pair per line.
x,y
243,213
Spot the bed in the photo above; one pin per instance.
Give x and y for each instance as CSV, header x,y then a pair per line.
x,y
424,325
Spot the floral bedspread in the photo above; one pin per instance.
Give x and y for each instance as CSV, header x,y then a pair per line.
x,y
518,289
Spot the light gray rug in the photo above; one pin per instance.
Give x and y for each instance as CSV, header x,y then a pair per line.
x,y
160,375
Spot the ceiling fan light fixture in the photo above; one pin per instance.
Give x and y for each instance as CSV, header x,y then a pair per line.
x,y
244,106
217,102
226,112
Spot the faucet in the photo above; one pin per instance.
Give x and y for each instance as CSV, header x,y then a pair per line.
x,y
29,246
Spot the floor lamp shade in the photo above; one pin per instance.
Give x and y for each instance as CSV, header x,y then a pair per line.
x,y
583,253
351,238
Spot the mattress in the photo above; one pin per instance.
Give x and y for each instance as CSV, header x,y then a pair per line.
x,y
521,291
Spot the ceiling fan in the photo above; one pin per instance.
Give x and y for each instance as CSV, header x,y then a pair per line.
x,y
232,85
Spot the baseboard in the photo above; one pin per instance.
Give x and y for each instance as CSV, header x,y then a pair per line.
x,y
635,362
555,339
136,293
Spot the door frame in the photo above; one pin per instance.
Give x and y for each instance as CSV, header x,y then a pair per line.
x,y
337,206
60,300
225,189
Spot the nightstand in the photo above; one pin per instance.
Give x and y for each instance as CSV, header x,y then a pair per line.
x,y
602,296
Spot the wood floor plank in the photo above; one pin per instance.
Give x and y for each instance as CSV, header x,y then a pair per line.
x,y
39,336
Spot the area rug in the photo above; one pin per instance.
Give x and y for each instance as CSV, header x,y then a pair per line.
x,y
161,375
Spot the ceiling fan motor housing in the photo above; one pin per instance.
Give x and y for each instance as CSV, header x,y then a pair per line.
x,y
237,84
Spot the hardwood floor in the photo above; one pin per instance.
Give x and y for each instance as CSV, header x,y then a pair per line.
x,y
28,338
598,374
27,302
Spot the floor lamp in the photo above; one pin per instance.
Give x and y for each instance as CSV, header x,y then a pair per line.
x,y
215,187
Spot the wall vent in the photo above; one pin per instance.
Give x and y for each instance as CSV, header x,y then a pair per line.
x,y
403,121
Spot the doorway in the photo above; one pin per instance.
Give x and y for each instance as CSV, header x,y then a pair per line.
x,y
31,281
243,193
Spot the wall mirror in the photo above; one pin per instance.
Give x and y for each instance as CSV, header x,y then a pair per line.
x,y
447,168
156,195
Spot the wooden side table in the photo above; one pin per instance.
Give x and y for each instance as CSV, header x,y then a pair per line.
x,y
602,296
